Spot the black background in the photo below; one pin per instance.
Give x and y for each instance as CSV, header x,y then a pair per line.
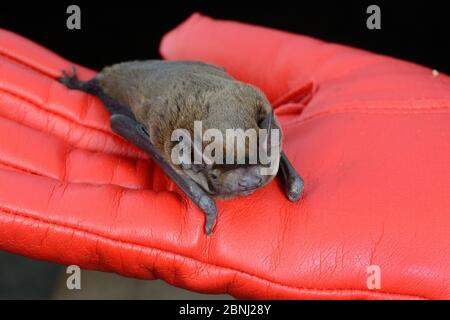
x,y
118,31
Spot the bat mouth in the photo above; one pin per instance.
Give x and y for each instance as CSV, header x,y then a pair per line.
x,y
230,195
250,182
250,189
241,191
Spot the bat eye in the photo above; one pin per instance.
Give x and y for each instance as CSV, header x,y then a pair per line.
x,y
214,174
144,129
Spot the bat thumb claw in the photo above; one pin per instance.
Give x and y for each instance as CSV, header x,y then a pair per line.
x,y
208,206
208,227
295,189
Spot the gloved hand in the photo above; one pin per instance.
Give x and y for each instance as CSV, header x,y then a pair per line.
x,y
369,135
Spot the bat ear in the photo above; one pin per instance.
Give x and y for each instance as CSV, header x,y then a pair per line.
x,y
268,123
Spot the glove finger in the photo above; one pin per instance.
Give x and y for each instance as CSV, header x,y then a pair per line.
x,y
41,103
64,222
36,152
277,62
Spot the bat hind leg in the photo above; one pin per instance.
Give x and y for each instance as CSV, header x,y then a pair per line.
x,y
71,81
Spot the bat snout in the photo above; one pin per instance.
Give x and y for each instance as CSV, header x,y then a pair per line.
x,y
250,181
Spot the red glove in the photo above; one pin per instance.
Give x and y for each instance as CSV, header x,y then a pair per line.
x,y
370,135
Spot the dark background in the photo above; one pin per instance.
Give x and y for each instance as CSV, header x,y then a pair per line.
x,y
117,31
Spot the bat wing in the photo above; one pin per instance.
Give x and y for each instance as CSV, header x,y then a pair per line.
x,y
291,180
124,123
135,133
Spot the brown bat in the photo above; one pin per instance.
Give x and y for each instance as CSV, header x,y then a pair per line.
x,y
149,100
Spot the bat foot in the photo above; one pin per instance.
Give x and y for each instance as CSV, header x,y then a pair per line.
x,y
70,80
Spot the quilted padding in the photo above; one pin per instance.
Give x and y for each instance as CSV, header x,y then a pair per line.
x,y
369,134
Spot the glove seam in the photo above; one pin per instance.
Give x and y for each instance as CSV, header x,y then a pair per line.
x,y
65,117
130,155
5,53
373,110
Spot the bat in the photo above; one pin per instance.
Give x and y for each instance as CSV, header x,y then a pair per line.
x,y
150,100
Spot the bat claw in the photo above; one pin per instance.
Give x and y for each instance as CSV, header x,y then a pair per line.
x,y
209,226
70,80
291,180
295,188
208,206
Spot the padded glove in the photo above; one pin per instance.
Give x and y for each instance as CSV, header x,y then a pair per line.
x,y
369,134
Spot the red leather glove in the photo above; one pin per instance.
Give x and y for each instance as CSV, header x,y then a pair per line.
x,y
370,135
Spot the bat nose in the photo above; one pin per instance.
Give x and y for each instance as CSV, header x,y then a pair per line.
x,y
250,181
